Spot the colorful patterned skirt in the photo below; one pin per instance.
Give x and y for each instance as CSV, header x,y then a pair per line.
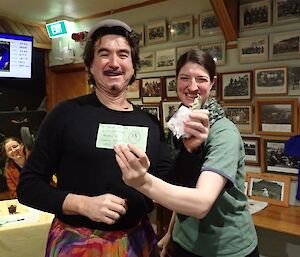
x,y
68,241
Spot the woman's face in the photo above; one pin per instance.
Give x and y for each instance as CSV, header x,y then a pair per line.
x,y
193,79
13,149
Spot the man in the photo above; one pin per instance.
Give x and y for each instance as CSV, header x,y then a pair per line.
x,y
96,213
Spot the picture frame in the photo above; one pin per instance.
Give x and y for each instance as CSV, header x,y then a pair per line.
x,y
147,61
151,90
215,89
284,45
133,91
170,87
255,15
271,188
276,117
168,110
156,32
241,115
236,85
209,24
285,11
139,28
274,158
253,49
153,109
252,150
294,80
216,50
270,81
181,50
182,28
165,59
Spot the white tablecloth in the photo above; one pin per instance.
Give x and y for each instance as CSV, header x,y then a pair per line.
x,y
25,238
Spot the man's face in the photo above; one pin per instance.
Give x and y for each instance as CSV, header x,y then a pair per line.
x,y
112,66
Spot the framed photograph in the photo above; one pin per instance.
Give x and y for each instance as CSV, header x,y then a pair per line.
x,y
241,116
165,59
208,24
271,81
252,150
271,188
181,50
156,32
134,90
286,11
274,159
255,15
236,85
253,49
153,109
140,30
285,45
147,61
151,90
294,80
170,87
276,116
216,50
182,28
214,91
168,110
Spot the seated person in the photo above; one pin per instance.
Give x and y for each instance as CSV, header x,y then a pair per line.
x,y
14,151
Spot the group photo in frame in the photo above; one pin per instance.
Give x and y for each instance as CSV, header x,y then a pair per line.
x,y
276,116
170,87
147,61
274,157
270,81
133,90
271,188
294,80
284,45
240,115
153,109
168,110
151,90
253,49
216,50
252,150
208,24
182,50
236,85
286,11
156,32
255,15
165,59
182,28
139,29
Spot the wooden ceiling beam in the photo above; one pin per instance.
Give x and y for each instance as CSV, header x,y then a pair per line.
x,y
227,12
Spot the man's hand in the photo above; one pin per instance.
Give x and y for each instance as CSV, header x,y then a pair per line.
x,y
133,163
106,208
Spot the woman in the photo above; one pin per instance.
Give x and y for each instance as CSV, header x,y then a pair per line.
x,y
210,217
13,149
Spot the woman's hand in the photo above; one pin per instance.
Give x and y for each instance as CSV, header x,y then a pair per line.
x,y
198,127
133,163
163,243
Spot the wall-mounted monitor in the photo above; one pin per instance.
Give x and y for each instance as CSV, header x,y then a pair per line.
x,y
15,56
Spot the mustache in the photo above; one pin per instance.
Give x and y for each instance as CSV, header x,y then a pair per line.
x,y
112,72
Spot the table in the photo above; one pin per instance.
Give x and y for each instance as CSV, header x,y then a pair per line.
x,y
280,219
28,239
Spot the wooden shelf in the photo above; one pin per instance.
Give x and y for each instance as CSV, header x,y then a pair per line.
x,y
280,219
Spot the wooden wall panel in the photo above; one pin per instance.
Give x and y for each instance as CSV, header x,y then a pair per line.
x,y
64,84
